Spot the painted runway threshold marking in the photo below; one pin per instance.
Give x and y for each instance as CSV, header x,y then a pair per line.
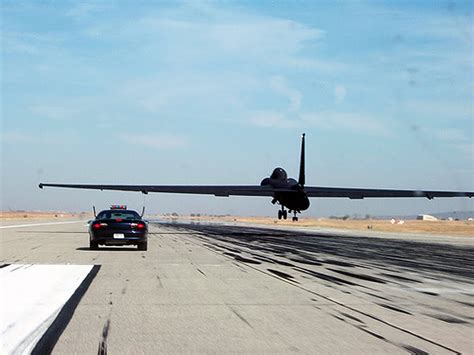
x,y
38,300
37,224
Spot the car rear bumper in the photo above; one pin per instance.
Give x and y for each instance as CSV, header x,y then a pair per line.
x,y
128,238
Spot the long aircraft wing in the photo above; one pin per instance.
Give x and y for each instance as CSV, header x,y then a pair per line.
x,y
355,193
257,190
216,190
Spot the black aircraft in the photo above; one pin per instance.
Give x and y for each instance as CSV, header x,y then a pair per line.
x,y
287,192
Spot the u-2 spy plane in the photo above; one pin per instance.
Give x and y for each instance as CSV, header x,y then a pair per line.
x,y
287,192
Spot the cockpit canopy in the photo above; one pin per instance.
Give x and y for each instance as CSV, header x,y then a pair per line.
x,y
279,174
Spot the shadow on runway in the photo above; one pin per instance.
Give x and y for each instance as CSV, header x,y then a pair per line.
x,y
52,232
106,249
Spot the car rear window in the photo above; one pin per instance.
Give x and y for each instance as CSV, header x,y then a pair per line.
x,y
118,214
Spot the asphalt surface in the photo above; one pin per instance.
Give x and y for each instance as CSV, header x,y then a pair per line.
x,y
234,289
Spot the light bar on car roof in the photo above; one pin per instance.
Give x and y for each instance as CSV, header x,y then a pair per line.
x,y
118,207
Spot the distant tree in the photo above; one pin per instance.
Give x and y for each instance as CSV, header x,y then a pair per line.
x,y
174,214
192,214
346,217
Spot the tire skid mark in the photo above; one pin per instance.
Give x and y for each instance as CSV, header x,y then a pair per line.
x,y
358,276
325,277
283,275
159,281
102,350
400,278
241,317
414,350
202,272
393,308
351,317
447,318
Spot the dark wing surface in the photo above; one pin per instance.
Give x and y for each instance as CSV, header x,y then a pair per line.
x,y
355,193
257,190
216,190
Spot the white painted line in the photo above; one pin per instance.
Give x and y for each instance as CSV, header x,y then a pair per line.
x,y
31,298
38,224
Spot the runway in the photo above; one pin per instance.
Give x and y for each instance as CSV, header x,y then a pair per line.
x,y
232,289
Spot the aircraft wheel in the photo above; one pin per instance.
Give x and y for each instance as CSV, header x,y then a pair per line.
x,y
279,214
285,215
295,219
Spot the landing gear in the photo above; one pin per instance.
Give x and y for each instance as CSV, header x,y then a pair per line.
x,y
282,213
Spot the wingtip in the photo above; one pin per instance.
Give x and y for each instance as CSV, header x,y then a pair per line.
x,y
40,185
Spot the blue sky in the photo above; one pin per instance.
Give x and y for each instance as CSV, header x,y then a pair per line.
x,y
219,92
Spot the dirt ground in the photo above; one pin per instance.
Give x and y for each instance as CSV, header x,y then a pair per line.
x,y
39,215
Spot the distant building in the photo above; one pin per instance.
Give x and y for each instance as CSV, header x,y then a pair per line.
x,y
426,217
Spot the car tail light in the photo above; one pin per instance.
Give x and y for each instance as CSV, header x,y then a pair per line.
x,y
141,225
99,225
119,220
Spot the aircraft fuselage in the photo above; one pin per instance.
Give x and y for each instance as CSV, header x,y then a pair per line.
x,y
292,194
294,201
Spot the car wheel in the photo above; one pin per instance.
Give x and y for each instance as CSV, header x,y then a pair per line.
x,y
143,246
93,245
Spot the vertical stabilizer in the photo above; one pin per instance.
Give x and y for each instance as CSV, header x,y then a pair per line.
x,y
301,179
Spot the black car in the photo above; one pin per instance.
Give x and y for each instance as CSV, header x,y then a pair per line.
x,y
118,226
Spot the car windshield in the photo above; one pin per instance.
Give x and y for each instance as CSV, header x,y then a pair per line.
x,y
113,214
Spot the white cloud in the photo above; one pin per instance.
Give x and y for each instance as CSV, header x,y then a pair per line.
x,y
53,112
347,121
441,108
271,119
164,141
29,42
339,93
16,138
24,138
240,34
461,140
279,85
452,135
223,34
81,10
351,122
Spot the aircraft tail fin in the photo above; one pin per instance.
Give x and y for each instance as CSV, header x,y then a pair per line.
x,y
301,179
